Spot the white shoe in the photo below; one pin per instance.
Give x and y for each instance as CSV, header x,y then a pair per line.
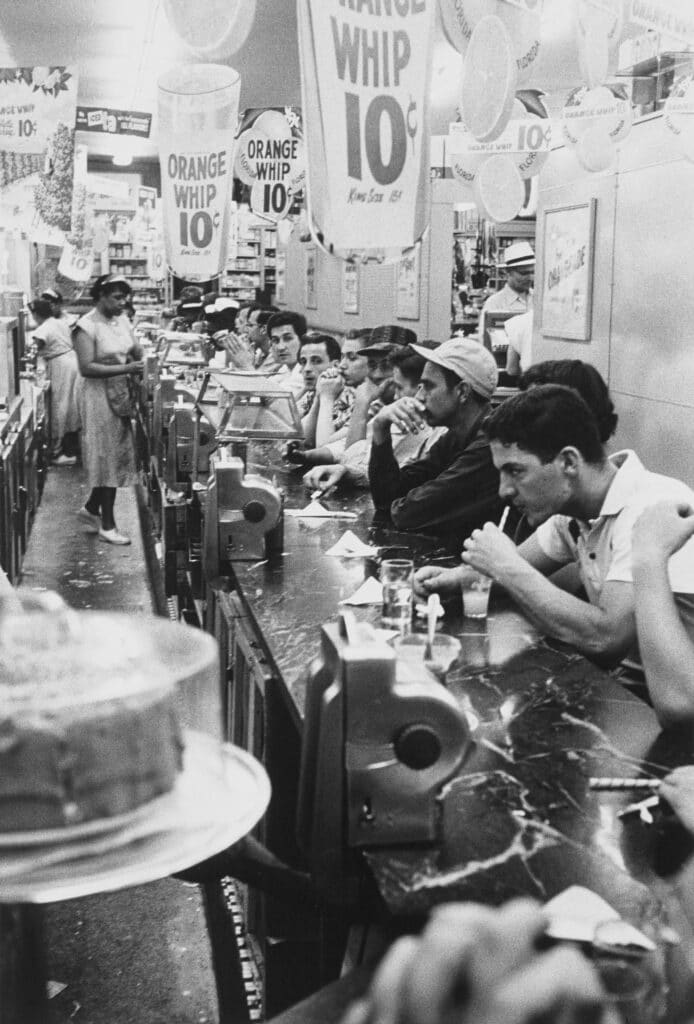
x,y
113,536
65,460
92,521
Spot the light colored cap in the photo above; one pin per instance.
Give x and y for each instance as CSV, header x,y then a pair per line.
x,y
469,360
519,254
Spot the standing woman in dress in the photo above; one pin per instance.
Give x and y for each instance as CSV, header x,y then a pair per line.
x,y
106,347
54,344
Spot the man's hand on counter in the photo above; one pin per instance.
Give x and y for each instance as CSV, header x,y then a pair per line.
x,y
324,477
478,965
432,579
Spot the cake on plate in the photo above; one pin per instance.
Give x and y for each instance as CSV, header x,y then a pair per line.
x,y
88,724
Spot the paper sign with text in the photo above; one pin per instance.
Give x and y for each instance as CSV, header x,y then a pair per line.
x,y
669,18
33,100
365,69
198,111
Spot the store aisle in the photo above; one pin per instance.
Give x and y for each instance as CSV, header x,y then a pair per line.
x,y
141,955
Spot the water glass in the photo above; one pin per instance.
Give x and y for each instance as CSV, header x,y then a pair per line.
x,y
634,980
396,577
475,590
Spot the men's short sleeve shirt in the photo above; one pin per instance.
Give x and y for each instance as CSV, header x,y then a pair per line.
x,y
602,546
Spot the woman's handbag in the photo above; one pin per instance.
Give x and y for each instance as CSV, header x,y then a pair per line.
x,y
120,392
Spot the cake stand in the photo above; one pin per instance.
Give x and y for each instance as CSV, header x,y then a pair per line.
x,y
220,795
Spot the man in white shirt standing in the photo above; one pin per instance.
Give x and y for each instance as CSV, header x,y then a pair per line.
x,y
516,295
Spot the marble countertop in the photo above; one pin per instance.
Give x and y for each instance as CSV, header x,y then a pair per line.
x,y
519,818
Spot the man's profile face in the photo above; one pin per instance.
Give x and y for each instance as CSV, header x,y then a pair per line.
x,y
313,359
441,403
285,345
537,489
521,279
353,367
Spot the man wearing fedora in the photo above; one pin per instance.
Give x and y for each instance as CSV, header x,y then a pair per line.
x,y
453,488
516,295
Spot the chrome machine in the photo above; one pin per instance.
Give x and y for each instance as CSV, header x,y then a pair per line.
x,y
243,511
379,745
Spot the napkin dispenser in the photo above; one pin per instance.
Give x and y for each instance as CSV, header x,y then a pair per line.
x,y
379,746
243,515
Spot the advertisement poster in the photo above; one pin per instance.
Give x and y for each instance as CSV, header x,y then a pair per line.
x,y
407,286
113,122
37,143
365,81
198,112
310,282
350,287
270,159
567,288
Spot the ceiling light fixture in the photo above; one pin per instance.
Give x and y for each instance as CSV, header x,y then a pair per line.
x,y
122,159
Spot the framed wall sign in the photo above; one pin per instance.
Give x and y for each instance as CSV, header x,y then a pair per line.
x,y
567,288
350,288
310,282
407,285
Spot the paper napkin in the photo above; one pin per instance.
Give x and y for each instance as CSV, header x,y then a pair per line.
x,y
575,913
314,510
370,592
349,546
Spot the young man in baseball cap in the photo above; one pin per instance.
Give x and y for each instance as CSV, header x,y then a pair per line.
x,y
454,487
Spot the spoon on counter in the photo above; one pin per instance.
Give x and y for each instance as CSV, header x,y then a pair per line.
x,y
433,605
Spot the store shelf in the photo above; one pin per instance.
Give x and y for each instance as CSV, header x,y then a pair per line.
x,y
253,267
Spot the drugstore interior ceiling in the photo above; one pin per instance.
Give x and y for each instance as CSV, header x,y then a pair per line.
x,y
121,47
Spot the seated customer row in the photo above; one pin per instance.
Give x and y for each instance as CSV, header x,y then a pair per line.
x,y
584,506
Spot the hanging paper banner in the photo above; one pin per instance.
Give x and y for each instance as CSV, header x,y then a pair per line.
x,y
76,263
526,140
211,29
270,158
594,121
365,95
598,28
672,19
37,117
520,18
198,111
678,114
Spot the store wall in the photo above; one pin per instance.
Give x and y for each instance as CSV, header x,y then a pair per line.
x,y
643,290
377,284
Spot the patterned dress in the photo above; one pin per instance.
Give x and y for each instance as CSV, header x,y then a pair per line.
x,y
108,450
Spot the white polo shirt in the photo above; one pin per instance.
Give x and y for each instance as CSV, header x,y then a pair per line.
x,y
602,547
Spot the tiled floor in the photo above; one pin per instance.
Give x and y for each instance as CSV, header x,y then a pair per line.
x,y
139,956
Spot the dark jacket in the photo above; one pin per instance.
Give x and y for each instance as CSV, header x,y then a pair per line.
x,y
449,492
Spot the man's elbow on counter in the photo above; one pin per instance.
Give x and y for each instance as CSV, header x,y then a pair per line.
x,y
404,515
673,710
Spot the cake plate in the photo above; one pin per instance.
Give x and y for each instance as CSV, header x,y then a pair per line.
x,y
220,795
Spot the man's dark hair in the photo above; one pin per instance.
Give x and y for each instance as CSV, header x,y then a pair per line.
x,y
42,308
409,363
288,316
358,333
263,319
332,345
544,420
582,377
